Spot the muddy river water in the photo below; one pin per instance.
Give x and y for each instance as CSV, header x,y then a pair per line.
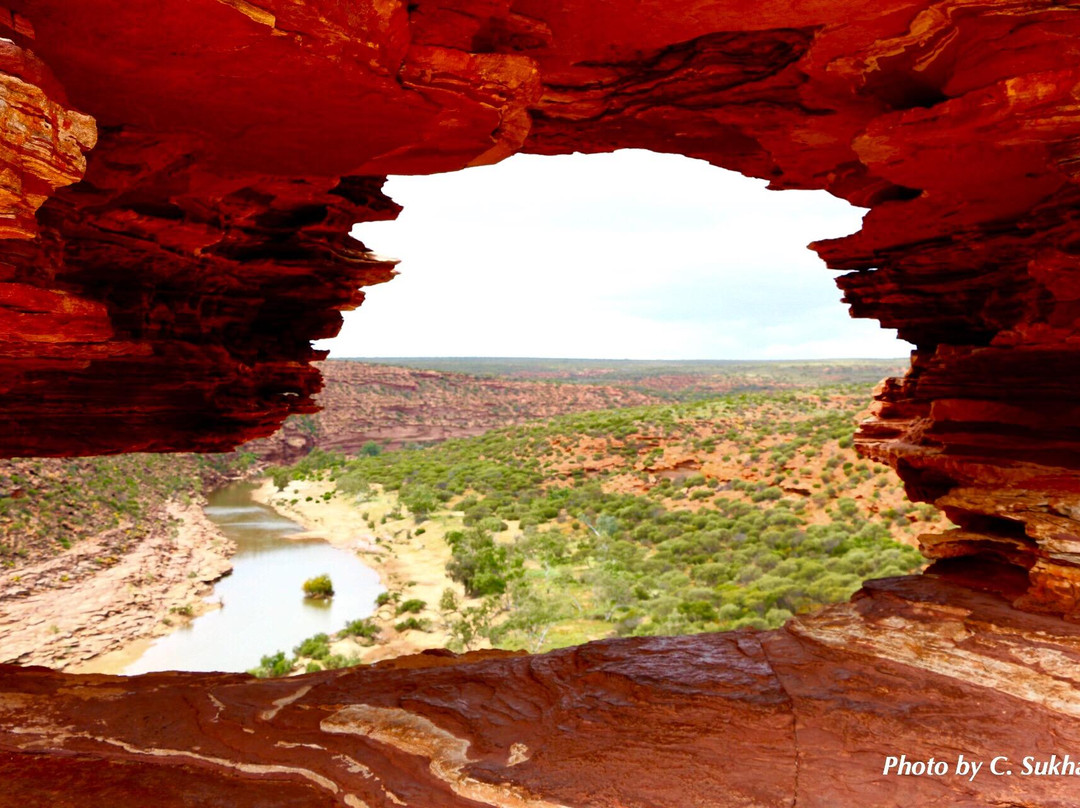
x,y
263,609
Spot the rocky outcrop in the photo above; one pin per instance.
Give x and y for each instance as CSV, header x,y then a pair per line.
x,y
789,717
104,593
396,406
167,300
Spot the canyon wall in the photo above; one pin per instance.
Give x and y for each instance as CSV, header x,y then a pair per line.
x,y
177,183
195,173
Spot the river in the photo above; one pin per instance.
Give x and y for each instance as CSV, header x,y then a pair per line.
x,y
263,609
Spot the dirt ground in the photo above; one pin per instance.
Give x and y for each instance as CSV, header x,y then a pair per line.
x,y
83,611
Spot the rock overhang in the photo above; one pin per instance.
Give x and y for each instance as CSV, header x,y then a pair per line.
x,y
195,171
177,184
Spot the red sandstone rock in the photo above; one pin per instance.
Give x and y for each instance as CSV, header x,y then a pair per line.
x,y
168,298
805,715
166,301
42,141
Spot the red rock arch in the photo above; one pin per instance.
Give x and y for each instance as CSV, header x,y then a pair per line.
x,y
166,300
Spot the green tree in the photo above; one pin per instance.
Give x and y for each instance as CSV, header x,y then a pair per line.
x,y
473,624
319,587
477,562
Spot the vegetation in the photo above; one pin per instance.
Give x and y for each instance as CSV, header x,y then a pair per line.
x,y
364,629
412,605
313,654
47,505
729,513
318,588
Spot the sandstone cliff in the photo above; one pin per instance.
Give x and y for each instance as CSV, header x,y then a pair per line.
x,y
195,166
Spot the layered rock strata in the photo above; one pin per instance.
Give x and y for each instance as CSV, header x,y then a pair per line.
x,y
176,188
166,300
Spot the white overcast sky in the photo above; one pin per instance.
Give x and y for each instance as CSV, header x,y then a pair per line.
x,y
631,255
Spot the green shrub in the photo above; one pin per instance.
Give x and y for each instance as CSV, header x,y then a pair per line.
x,y
317,647
318,588
273,666
363,627
770,493
413,624
336,661
412,606
420,499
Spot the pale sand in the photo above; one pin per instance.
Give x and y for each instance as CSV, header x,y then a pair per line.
x,y
414,567
83,610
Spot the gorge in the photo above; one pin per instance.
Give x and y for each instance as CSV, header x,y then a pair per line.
x,y
177,189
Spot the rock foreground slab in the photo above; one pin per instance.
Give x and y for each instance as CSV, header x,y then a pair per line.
x,y
803,715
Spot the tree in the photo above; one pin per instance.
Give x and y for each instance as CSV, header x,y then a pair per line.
x,y
478,562
280,477
318,588
612,588
419,499
473,624
533,613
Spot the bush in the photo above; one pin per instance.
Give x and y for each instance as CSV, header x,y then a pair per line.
x,y
413,624
412,605
420,500
770,493
273,666
336,661
361,628
318,588
699,611
317,647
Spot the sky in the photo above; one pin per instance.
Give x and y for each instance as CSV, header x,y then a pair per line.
x,y
630,255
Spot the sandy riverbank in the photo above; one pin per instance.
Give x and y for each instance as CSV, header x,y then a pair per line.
x,y
414,566
96,605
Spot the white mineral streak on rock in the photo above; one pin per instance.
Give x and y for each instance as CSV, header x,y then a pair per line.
x,y
284,701
416,735
1041,676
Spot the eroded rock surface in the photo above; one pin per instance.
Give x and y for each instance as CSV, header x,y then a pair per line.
x,y
795,716
167,300
102,593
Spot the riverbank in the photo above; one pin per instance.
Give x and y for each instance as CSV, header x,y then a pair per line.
x,y
412,566
80,610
